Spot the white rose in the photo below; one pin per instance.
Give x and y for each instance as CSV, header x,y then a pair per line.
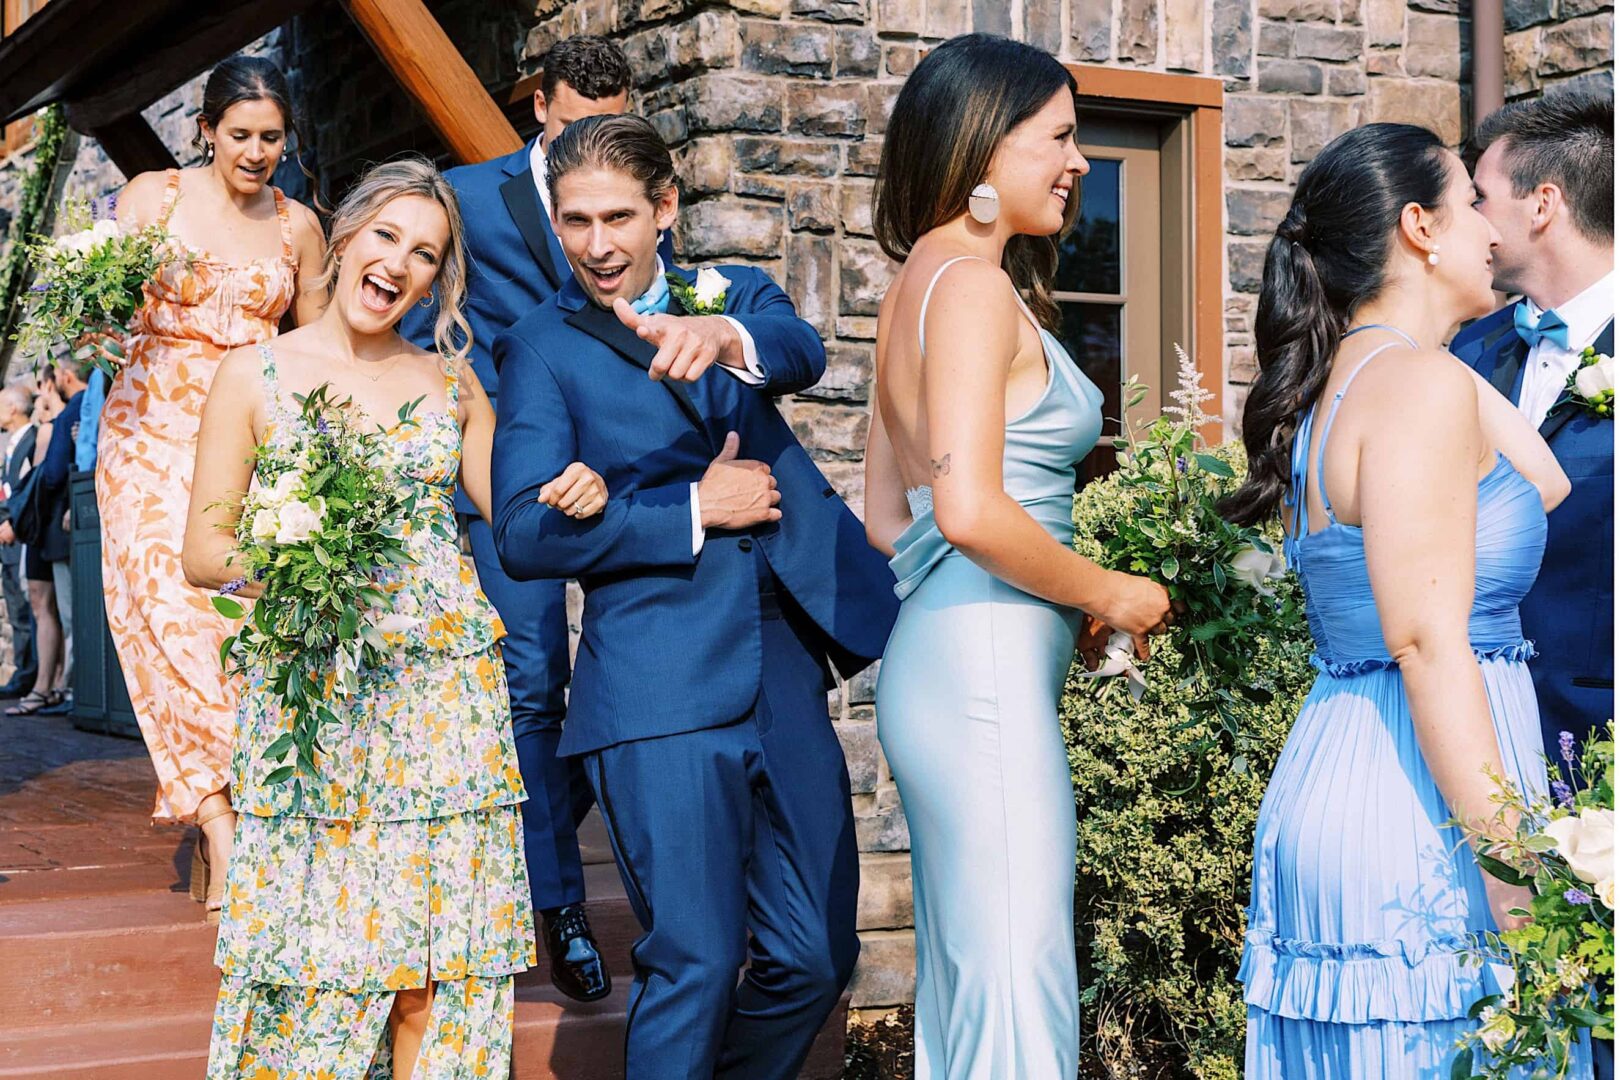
x,y
1594,379
1254,568
711,285
1587,844
76,243
265,524
1605,892
395,623
285,489
103,230
300,520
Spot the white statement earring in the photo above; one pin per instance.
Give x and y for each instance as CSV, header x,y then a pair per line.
x,y
984,204
1434,257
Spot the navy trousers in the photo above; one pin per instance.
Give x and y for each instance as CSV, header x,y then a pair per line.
x,y
737,844
536,653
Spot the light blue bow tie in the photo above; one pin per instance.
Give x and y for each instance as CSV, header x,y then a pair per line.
x,y
655,299
1550,326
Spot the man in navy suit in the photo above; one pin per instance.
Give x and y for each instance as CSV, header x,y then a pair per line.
x,y
723,582
514,263
1545,180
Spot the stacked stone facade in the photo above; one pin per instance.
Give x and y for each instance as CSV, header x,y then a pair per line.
x,y
777,110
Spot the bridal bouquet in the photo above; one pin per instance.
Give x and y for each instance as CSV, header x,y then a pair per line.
x,y
316,537
1562,960
88,284
1220,575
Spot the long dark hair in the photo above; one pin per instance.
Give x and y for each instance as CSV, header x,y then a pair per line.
x,y
951,115
243,78
1330,255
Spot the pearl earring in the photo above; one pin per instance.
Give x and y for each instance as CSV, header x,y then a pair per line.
x,y
984,204
1434,257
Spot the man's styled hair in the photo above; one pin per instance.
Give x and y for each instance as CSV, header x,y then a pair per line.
x,y
624,143
1565,138
594,66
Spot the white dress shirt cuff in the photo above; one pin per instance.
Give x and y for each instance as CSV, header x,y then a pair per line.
x,y
752,373
697,523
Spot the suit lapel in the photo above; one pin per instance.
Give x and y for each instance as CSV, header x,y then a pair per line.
x,y
529,213
1511,354
605,327
1567,410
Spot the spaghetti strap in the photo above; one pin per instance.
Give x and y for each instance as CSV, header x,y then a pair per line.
x,y
452,384
267,366
171,194
285,221
928,294
1327,427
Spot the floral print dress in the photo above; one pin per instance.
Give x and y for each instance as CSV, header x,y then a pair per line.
x,y
405,865
167,633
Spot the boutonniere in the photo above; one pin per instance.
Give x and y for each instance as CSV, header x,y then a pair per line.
x,y
706,297
1591,385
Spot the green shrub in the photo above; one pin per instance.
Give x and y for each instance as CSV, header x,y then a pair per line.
x,y
1168,787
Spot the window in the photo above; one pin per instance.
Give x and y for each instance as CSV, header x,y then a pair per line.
x,y
1142,268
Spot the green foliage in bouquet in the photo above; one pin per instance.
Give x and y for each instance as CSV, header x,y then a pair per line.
x,y
1168,787
1561,963
88,283
323,523
50,136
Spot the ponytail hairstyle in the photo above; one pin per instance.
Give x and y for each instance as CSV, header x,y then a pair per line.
x,y
950,118
1330,255
382,184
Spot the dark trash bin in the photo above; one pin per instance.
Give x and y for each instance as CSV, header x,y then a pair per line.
x,y
100,698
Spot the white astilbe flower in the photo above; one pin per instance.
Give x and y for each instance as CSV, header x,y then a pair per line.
x,y
1189,395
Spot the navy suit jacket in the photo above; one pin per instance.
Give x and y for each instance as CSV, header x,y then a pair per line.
x,y
672,642
514,261
1569,612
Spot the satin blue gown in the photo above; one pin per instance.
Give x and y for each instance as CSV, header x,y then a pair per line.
x,y
967,714
1362,895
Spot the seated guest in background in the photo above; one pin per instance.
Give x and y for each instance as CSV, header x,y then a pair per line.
x,y
16,458
722,580
514,263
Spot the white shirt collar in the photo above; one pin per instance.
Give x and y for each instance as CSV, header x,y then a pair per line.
x,y
1587,313
537,165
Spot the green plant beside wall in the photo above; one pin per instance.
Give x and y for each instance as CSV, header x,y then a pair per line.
x,y
1168,787
50,136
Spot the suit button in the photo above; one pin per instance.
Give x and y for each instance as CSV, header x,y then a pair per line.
x,y
745,544
827,493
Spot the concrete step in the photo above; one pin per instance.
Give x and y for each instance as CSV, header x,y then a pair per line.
x,y
149,954
553,1039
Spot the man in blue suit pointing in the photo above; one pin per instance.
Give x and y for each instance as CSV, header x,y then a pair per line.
x,y
1545,179
723,582
514,263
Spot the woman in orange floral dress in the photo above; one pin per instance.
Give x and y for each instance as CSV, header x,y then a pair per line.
x,y
246,249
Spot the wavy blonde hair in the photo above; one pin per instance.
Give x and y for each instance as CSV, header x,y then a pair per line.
x,y
377,188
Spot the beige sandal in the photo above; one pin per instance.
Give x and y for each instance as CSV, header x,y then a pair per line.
x,y
207,887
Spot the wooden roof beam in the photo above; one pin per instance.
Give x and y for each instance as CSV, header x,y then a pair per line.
x,y
430,69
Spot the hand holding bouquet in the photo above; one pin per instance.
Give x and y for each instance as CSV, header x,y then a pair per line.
x,y
1561,957
324,519
88,284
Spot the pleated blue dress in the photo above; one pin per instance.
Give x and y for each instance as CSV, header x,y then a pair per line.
x,y
1362,895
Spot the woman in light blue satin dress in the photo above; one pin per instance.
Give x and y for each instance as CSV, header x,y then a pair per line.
x,y
1415,497
979,422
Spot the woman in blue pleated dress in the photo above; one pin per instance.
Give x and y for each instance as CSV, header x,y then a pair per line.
x,y
1415,499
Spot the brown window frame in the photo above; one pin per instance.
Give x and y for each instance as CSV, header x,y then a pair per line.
x,y
17,136
1194,103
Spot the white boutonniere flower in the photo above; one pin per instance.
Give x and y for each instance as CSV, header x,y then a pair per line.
x,y
707,296
1591,386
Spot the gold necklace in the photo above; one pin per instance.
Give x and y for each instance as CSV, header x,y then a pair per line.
x,y
377,377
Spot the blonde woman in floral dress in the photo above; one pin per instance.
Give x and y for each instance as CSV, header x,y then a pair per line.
x,y
373,930
248,248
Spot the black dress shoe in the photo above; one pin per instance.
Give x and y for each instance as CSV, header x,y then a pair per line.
x,y
576,965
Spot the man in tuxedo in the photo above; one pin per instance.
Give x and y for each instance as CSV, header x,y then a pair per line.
x,y
17,443
1545,180
723,582
514,263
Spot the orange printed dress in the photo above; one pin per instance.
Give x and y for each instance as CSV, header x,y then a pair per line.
x,y
167,633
